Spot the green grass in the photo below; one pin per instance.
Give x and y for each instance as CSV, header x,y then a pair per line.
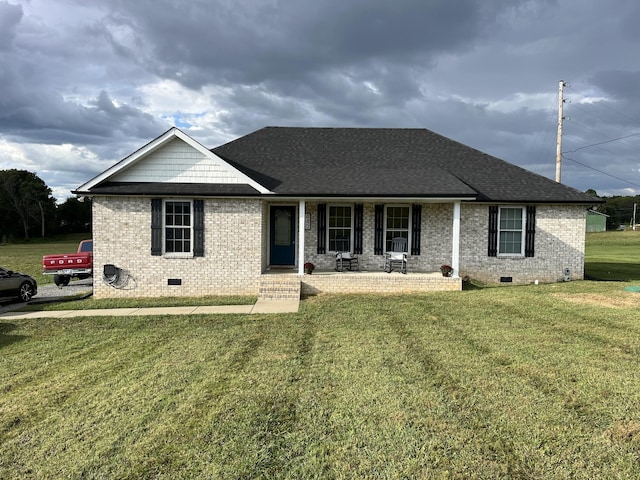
x,y
613,255
90,303
505,382
494,382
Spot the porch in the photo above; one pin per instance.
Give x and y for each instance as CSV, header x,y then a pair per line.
x,y
307,232
360,282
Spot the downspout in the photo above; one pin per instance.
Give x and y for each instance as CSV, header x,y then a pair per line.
x,y
455,247
301,215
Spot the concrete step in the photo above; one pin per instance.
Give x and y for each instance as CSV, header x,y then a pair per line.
x,y
279,289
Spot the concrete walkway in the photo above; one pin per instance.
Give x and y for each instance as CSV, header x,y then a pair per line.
x,y
261,306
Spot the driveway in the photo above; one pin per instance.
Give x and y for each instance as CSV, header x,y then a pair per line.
x,y
50,293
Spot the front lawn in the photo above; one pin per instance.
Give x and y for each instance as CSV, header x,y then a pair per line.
x,y
613,255
506,382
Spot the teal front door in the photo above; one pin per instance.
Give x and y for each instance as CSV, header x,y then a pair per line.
x,y
283,236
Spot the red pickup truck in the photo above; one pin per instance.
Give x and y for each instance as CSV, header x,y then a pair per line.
x,y
64,266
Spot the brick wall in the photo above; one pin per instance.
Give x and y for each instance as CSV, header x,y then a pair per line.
x,y
559,244
384,283
236,249
435,240
233,249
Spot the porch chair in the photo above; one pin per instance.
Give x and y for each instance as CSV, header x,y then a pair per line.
x,y
344,258
397,257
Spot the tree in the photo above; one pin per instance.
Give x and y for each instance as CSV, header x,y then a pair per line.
x,y
74,216
26,203
619,209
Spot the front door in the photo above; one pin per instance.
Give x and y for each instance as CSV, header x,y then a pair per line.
x,y
283,235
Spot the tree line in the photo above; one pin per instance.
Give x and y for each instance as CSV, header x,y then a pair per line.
x,y
28,209
619,209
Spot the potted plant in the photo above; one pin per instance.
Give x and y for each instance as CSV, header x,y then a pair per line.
x,y
447,270
308,268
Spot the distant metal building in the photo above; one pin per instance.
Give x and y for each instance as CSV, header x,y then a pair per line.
x,y
596,221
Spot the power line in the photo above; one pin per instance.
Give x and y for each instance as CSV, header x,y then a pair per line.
x,y
604,105
600,171
543,150
560,154
602,143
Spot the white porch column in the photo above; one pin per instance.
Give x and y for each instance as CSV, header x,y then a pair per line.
x,y
455,248
301,215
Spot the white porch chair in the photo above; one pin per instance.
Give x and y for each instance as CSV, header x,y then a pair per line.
x,y
397,257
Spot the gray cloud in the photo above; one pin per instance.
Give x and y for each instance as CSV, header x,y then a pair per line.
x,y
84,84
10,16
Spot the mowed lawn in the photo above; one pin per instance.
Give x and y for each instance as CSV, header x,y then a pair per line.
x,y
506,382
613,255
494,382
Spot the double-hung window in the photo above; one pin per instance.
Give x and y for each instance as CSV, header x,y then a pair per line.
x,y
178,227
397,223
340,227
511,231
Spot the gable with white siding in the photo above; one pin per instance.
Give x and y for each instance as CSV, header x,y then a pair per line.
x,y
174,158
178,162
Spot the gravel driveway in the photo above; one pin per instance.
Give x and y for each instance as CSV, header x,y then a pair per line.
x,y
50,293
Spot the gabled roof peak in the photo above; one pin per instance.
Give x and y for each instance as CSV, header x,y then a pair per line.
x,y
201,153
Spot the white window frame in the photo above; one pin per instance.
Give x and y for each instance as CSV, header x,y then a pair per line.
x,y
167,254
408,230
329,228
522,231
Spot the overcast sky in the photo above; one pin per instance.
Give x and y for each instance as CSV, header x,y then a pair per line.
x,y
83,84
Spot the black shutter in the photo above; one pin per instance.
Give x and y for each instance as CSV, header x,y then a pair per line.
x,y
322,228
156,226
493,231
530,234
378,245
198,228
358,227
416,225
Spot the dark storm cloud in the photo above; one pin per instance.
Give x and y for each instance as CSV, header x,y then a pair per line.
x,y
45,117
86,83
252,42
10,16
624,86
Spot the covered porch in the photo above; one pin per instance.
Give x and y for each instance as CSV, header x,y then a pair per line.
x,y
303,232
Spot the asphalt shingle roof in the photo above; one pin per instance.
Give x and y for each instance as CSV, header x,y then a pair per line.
x,y
384,162
173,189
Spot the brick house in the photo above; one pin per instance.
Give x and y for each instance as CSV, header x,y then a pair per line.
x,y
178,219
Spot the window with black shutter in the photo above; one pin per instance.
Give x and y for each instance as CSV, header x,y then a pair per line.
x,y
156,226
358,227
511,231
198,228
177,227
493,231
378,232
322,228
530,235
416,225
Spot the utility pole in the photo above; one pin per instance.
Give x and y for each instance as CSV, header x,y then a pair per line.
x,y
559,138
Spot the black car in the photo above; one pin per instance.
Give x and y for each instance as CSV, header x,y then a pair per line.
x,y
17,285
